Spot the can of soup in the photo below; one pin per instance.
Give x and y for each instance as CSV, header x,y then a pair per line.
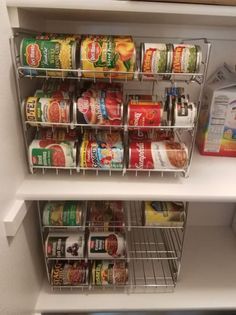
x,y
62,213
52,153
61,245
105,245
157,155
186,58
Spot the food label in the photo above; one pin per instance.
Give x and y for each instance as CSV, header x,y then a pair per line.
x,y
65,246
33,55
144,114
68,274
184,59
155,58
31,109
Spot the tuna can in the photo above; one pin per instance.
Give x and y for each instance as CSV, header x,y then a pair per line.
x,y
105,273
52,53
142,113
52,153
51,110
186,58
99,53
61,245
156,58
69,274
62,213
157,155
105,245
58,134
184,113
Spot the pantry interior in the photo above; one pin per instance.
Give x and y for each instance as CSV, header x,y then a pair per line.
x,y
207,277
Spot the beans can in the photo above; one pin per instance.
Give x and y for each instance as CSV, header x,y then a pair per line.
x,y
155,58
108,53
101,107
52,153
144,113
62,213
157,155
58,134
106,245
186,58
61,245
105,273
184,113
106,216
50,110
53,53
69,274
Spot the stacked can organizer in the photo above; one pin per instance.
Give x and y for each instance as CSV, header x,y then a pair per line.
x,y
133,246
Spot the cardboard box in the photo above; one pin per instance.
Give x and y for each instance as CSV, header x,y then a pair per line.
x,y
217,122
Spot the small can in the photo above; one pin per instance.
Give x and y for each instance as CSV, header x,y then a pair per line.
x,y
105,245
106,216
99,53
69,274
144,113
105,273
157,155
52,53
156,58
51,110
61,245
184,113
52,153
186,58
62,213
101,107
58,134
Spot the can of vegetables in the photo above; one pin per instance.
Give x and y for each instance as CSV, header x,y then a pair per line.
x,y
108,56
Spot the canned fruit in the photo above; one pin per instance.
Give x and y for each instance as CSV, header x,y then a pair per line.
x,y
186,58
157,155
47,110
66,246
105,273
69,274
106,245
52,153
62,213
108,53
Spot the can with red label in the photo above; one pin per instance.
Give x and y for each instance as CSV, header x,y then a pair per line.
x,y
58,134
143,113
151,135
52,153
186,58
105,245
157,155
69,274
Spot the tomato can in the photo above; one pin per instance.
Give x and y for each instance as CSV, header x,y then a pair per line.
x,y
106,245
61,245
99,53
51,110
144,113
105,273
62,213
106,216
52,153
184,113
69,274
53,53
157,155
186,58
58,134
156,58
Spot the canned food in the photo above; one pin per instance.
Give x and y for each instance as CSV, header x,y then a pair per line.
x,y
106,245
186,58
106,215
155,58
52,53
106,273
151,135
63,245
52,153
101,107
105,139
157,155
62,213
144,113
71,274
108,53
184,113
50,110
58,134
52,94
66,87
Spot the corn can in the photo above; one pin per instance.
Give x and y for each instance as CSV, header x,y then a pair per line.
x,y
108,53
186,58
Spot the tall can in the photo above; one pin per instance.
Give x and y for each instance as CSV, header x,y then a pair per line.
x,y
186,58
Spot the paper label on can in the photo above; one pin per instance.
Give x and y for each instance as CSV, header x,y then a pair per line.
x,y
53,110
110,245
68,274
155,58
65,246
144,114
184,59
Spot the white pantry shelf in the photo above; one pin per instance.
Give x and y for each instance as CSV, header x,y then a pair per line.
x,y
207,281
211,179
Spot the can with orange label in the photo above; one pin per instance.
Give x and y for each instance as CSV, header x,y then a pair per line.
x,y
186,58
